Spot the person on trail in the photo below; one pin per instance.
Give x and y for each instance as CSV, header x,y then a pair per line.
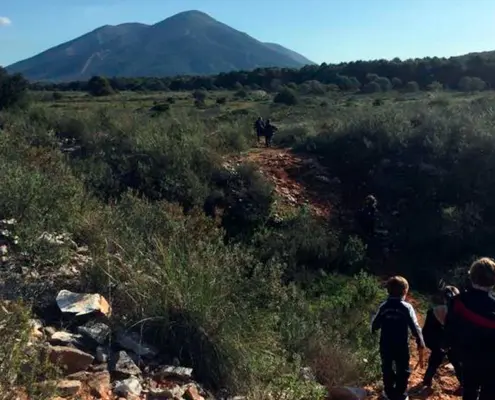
x,y
259,126
367,216
434,336
470,331
395,317
269,131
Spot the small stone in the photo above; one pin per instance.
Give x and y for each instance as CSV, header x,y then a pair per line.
x,y
128,387
4,250
192,393
99,385
122,366
70,359
49,331
102,354
181,373
68,388
175,392
133,342
64,338
78,376
99,332
347,393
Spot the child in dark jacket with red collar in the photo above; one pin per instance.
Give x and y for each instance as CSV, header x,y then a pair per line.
x,y
470,331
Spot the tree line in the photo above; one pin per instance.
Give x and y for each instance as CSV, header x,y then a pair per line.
x,y
467,73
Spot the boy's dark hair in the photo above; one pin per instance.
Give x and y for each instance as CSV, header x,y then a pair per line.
x,y
482,272
397,286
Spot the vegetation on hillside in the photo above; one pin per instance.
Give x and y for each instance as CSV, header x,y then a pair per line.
x,y
201,252
468,73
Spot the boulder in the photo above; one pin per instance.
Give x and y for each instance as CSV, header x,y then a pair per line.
x,y
82,304
68,388
99,385
102,354
98,332
64,338
192,393
181,373
122,366
133,342
69,359
128,387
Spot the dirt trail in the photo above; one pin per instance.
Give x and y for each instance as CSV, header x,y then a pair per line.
x,y
297,180
301,180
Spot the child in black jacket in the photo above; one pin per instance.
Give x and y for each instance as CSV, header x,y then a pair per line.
x,y
395,318
434,337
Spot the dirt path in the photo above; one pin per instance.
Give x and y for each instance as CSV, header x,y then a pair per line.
x,y
301,180
297,180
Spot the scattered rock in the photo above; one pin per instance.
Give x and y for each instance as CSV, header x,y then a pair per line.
x,y
64,338
36,329
192,393
98,332
99,385
70,359
306,373
82,304
347,393
181,373
175,392
122,366
132,341
79,376
102,354
68,388
130,386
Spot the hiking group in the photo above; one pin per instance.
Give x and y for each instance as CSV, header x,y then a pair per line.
x,y
460,328
266,129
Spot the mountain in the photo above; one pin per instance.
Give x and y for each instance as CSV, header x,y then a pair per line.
x,y
295,56
188,43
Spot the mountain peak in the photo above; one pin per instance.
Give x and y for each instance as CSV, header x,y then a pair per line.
x,y
188,43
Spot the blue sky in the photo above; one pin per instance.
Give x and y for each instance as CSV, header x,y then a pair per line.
x,y
322,30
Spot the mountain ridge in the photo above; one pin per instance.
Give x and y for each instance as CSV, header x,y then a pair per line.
x,y
187,43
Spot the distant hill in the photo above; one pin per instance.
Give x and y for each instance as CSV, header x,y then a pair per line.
x,y
188,43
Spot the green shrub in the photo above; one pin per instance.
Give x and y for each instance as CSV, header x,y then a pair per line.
x,y
287,97
24,367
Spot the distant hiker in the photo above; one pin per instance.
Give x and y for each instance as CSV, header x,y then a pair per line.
x,y
470,331
259,126
367,216
395,318
269,131
434,336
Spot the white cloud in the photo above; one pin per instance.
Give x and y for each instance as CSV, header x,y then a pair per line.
x,y
4,21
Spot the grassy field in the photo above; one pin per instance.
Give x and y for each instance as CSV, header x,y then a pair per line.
x,y
247,298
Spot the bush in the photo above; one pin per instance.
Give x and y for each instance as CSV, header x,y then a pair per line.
x,y
161,107
56,96
287,97
171,100
24,367
221,100
13,90
412,87
372,87
471,84
99,86
199,96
